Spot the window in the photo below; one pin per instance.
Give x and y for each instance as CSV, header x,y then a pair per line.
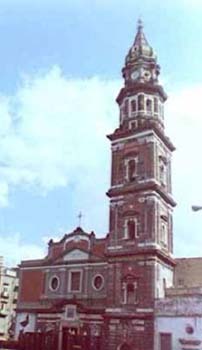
x,y
129,290
75,281
164,284
132,170
125,107
165,341
3,306
140,102
133,106
71,312
131,228
54,283
164,232
155,105
98,282
162,174
180,281
5,292
149,105
130,293
16,289
157,272
133,125
163,162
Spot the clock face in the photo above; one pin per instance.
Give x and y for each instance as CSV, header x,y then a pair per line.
x,y
147,75
135,75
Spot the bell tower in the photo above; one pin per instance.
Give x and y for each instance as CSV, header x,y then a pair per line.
x,y
140,240
140,195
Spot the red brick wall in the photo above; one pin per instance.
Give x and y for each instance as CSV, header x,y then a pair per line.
x,y
125,330
32,284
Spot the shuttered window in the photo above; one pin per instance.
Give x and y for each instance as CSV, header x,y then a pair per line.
x,y
75,281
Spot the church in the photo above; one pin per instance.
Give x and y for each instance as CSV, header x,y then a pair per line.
x,y
118,288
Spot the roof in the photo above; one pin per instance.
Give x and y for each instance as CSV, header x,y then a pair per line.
x,y
188,272
83,245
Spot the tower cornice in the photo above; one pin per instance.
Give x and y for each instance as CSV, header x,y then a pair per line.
x,y
139,187
146,253
135,87
150,125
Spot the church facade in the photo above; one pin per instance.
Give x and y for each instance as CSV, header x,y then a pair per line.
x,y
107,287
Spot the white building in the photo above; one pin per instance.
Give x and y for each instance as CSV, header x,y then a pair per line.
x,y
8,300
178,321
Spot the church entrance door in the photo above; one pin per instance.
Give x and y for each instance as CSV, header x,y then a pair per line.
x,y
72,340
125,346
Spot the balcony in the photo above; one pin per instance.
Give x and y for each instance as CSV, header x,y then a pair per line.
x,y
3,312
5,294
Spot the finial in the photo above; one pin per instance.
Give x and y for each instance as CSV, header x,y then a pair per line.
x,y
80,217
139,24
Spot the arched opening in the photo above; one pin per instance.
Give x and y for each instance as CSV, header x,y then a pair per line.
x,y
125,108
130,293
141,102
130,290
164,232
155,105
131,229
149,105
131,170
162,174
125,346
133,106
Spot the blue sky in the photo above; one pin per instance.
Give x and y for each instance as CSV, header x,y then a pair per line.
x,y
60,69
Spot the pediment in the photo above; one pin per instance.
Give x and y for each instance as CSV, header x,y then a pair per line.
x,y
75,254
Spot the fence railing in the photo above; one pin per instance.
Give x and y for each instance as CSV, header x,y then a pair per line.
x,y
51,341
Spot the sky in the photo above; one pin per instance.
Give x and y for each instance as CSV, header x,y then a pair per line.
x,y
60,73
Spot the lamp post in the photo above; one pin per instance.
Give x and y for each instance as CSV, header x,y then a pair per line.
x,y
196,207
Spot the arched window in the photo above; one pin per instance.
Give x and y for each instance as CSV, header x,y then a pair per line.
x,y
161,110
131,170
164,232
125,346
155,105
133,106
163,174
163,169
125,108
140,102
149,105
131,229
129,288
130,293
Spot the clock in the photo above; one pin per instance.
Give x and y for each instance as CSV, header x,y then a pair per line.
x,y
135,75
147,75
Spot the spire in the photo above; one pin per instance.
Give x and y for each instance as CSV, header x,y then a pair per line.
x,y
140,47
140,39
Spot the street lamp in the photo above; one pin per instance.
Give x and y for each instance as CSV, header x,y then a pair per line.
x,y
196,207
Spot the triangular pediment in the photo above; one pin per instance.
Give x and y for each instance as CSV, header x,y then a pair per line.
x,y
75,254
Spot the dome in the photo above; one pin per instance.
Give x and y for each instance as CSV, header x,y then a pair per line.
x,y
140,48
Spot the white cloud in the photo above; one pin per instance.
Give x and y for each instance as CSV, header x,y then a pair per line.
x,y
14,249
53,130
53,134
